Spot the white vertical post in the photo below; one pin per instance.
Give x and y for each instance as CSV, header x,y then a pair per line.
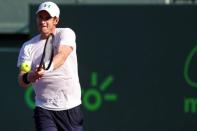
x,y
167,1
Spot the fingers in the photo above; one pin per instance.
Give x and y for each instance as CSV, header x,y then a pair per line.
x,y
38,67
33,76
36,74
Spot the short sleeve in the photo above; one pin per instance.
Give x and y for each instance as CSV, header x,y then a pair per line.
x,y
68,37
24,55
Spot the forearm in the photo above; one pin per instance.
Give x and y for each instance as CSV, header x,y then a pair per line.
x,y
25,79
21,81
58,60
61,56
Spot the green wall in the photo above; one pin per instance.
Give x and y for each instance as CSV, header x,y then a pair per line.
x,y
137,67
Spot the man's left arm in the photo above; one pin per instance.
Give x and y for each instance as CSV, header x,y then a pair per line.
x,y
61,56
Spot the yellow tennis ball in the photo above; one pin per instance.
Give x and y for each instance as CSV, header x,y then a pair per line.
x,y
25,66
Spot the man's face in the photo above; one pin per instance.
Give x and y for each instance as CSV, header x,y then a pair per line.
x,y
46,24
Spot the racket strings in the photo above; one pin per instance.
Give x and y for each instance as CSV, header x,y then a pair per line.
x,y
47,53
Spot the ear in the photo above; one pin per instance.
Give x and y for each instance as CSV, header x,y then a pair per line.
x,y
56,20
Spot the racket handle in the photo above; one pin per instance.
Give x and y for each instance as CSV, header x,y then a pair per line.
x,y
39,68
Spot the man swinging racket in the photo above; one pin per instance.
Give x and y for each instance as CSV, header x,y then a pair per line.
x,y
52,57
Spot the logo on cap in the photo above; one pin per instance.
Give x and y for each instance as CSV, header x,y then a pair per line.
x,y
45,5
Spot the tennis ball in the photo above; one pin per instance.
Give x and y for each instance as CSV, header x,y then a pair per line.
x,y
25,66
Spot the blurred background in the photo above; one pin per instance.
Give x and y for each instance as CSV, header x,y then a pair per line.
x,y
137,63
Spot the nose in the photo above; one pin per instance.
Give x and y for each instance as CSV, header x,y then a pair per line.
x,y
43,21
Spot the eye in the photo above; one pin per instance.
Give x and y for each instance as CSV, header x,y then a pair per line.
x,y
45,18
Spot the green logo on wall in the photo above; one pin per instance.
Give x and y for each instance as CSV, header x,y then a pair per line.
x,y
92,97
190,103
187,65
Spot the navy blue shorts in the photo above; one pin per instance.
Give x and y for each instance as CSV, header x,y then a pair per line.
x,y
67,120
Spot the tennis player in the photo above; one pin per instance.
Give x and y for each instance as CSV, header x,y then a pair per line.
x,y
57,90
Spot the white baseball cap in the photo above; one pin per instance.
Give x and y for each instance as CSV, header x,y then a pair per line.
x,y
50,7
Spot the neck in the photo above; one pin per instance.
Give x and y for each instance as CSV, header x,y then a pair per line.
x,y
46,35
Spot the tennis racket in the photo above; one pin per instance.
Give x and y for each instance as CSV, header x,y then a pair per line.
x,y
47,56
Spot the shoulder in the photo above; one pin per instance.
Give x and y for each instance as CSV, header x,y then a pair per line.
x,y
66,36
31,41
27,45
66,31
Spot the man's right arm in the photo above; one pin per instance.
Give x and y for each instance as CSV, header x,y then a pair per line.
x,y
26,78
20,79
